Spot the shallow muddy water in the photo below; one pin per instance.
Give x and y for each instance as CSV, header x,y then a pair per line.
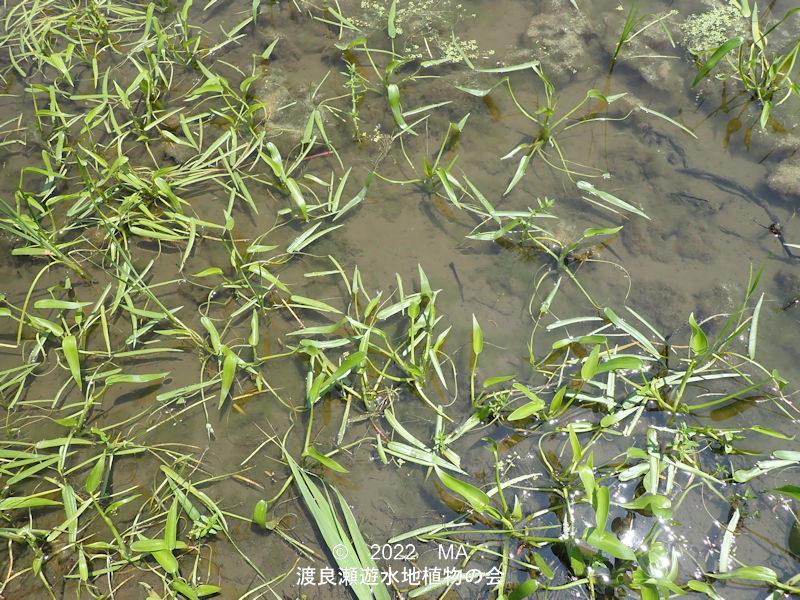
x,y
163,297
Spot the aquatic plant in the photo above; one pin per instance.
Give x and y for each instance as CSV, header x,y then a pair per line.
x,y
764,75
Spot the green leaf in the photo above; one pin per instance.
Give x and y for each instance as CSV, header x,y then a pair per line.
x,y
208,272
315,304
609,544
523,590
727,541
703,587
475,496
351,362
487,383
171,527
362,193
752,573
324,460
521,168
638,336
666,118
699,342
213,334
535,405
390,28
71,510
620,363
792,455
589,484
260,513
589,367
49,303
601,503
228,372
477,337
716,57
610,198
558,399
297,196
660,506
526,410
206,589
93,480
751,343
329,526
70,347
15,502
184,589
393,92
770,432
131,378
765,110
307,237
146,546
792,491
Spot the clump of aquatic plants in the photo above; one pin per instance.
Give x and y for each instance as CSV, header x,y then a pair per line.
x,y
765,74
615,369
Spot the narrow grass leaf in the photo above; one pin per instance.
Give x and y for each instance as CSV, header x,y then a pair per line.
x,y
70,347
15,502
324,460
751,573
329,527
609,198
93,480
171,527
304,302
49,303
135,378
718,55
751,342
650,111
522,166
792,491
71,510
364,553
309,236
357,198
622,324
727,542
